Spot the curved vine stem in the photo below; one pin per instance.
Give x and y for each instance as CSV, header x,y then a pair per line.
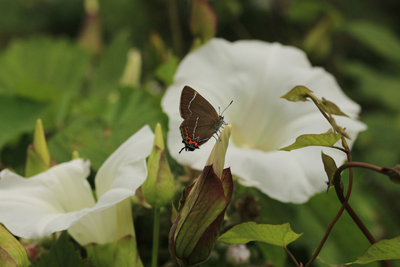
x,y
339,192
340,212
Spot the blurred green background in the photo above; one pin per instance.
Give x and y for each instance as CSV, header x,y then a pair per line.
x,y
65,63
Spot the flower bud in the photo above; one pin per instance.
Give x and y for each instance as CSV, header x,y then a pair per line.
x,y
12,252
158,189
195,229
38,156
133,69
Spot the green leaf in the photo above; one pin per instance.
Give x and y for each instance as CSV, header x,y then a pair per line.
x,y
120,253
329,166
325,139
166,71
377,37
273,254
298,93
44,70
62,253
12,253
369,79
97,139
331,108
388,249
18,116
109,73
278,235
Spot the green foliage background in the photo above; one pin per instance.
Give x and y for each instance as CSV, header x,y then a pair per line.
x,y
45,72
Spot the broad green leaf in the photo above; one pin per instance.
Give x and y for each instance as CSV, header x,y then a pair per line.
x,y
382,138
121,253
111,68
377,37
103,89
273,254
46,70
298,93
12,253
331,108
329,166
62,253
97,139
166,71
325,139
17,116
369,79
388,249
278,235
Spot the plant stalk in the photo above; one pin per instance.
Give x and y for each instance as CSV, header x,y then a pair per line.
x,y
156,233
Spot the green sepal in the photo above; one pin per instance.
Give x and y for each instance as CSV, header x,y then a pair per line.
x,y
327,139
12,253
277,235
120,253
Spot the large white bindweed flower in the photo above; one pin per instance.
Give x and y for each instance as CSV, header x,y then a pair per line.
x,y
255,74
61,198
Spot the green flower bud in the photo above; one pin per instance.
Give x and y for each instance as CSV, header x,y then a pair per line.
x,y
159,188
195,229
12,252
38,156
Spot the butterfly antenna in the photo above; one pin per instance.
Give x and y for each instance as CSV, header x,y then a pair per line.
x,y
226,107
181,150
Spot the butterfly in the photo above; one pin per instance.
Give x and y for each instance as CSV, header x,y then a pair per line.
x,y
200,120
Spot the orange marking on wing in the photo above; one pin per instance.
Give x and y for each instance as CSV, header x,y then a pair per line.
x,y
189,140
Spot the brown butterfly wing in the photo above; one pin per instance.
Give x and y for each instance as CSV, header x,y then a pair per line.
x,y
194,105
198,129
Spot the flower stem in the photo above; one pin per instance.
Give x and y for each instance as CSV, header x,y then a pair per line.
x,y
342,208
156,232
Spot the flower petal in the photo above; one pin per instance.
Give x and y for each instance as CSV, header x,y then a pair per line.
x,y
48,202
125,170
255,75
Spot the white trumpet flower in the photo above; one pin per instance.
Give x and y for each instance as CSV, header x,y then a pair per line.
x,y
61,198
255,74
